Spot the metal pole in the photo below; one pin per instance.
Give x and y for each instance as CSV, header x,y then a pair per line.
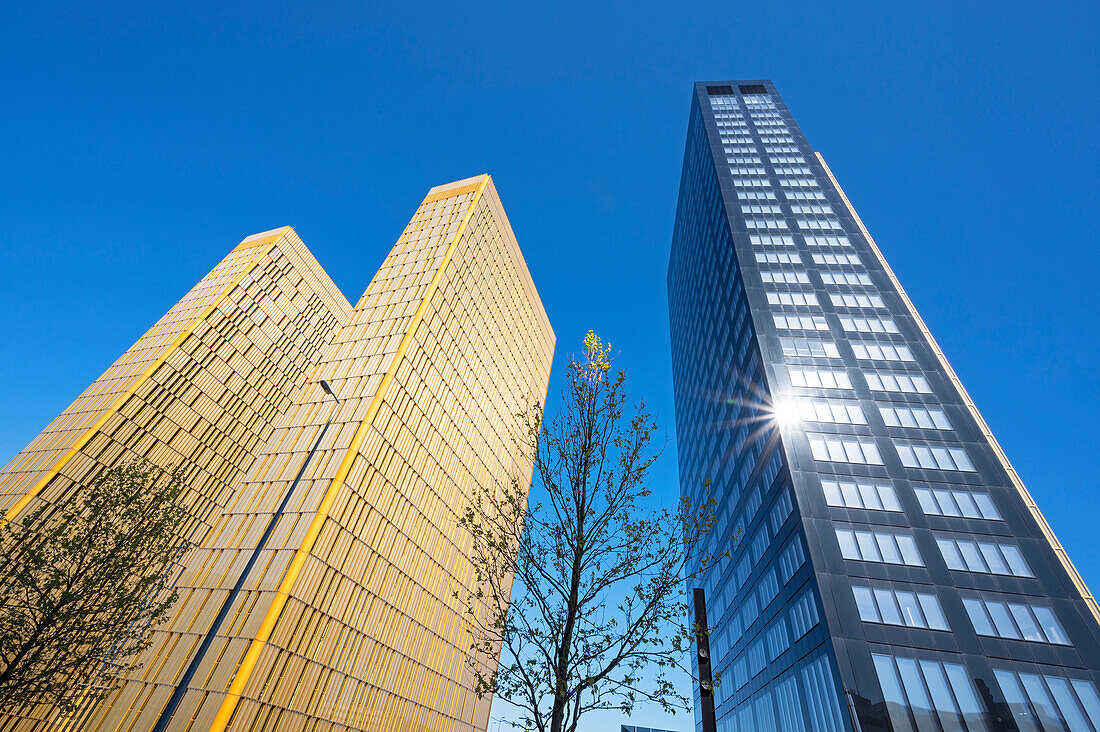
x,y
702,647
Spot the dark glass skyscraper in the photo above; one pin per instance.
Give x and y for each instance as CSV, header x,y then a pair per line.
x,y
888,570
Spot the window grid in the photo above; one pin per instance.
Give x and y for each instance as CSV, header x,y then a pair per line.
x,y
952,502
844,449
881,546
811,378
923,695
925,418
892,606
1045,703
983,557
999,618
933,456
864,493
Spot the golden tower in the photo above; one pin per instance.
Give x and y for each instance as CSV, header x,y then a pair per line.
x,y
201,390
322,598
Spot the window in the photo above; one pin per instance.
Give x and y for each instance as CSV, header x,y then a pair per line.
x,y
762,208
820,225
1015,620
754,195
792,298
965,555
804,613
812,208
778,639
880,546
860,493
799,322
899,382
821,697
781,510
790,559
951,502
819,378
929,695
752,503
744,569
1040,703
846,278
750,611
808,348
916,417
834,259
868,325
771,240
803,195
741,671
793,182
784,278
796,159
717,90
834,412
746,89
824,240
933,456
844,449
770,225
786,169
899,607
778,257
868,351
856,300
768,588
760,543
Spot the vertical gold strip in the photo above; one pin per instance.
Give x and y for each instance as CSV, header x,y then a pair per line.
x,y
138,381
1059,550
252,656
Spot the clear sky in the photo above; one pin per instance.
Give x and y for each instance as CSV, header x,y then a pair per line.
x,y
139,143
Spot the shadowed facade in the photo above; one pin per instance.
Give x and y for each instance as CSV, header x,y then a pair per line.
x,y
888,568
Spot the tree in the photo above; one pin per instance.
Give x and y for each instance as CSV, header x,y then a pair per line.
x,y
599,616
81,584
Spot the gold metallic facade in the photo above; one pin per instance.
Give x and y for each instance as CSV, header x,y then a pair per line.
x,y
347,620
202,389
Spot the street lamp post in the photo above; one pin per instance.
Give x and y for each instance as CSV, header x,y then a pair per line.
x,y
702,647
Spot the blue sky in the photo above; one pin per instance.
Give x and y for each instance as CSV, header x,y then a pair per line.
x,y
139,143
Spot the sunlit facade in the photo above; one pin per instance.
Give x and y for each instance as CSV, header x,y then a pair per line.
x,y
201,389
888,569
322,599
